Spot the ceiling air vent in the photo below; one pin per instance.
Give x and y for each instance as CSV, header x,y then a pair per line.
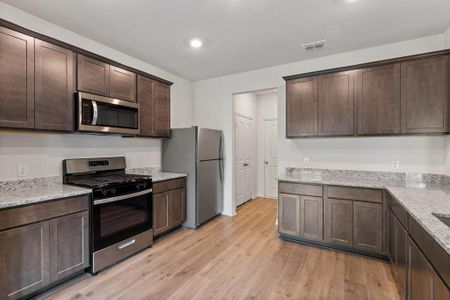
x,y
314,45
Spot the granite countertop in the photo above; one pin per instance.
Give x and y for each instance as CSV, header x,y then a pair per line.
x,y
23,192
420,195
157,175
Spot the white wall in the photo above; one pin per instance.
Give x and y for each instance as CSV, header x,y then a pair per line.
x,y
266,108
43,153
213,108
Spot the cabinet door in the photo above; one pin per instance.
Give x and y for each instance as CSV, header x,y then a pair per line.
x,y
161,109
420,275
145,100
301,107
424,95
440,290
392,239
367,220
176,207
339,222
69,245
160,212
16,79
24,260
122,84
93,76
398,251
289,214
54,88
336,104
378,99
311,218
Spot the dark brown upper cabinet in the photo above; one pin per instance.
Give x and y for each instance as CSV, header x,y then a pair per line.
x,y
145,100
93,76
378,100
100,78
54,87
122,84
301,107
425,95
154,100
16,79
161,109
335,102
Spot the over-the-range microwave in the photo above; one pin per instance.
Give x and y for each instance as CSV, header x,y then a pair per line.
x,y
106,115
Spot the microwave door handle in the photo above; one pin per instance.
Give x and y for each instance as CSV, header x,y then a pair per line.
x,y
95,114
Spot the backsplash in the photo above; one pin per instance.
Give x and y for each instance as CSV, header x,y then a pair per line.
x,y
393,177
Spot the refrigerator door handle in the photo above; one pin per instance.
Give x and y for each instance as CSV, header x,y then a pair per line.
x,y
221,147
221,169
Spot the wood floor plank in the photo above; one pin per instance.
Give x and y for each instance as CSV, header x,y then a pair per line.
x,y
238,257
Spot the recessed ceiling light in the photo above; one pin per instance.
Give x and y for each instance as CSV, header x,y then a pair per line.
x,y
352,0
196,43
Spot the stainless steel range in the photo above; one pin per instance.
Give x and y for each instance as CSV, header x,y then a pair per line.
x,y
121,218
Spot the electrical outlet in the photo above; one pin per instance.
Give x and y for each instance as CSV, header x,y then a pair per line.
x,y
306,160
22,170
395,165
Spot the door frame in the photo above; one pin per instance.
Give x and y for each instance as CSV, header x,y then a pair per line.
x,y
265,183
280,93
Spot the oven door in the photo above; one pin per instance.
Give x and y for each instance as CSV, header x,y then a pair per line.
x,y
118,218
107,115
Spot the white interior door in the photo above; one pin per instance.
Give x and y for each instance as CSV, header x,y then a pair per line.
x,y
270,158
244,159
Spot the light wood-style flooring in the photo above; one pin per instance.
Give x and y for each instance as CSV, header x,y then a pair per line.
x,y
238,257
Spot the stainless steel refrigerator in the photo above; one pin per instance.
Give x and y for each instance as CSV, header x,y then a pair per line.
x,y
199,153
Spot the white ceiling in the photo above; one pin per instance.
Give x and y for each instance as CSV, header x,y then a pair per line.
x,y
240,35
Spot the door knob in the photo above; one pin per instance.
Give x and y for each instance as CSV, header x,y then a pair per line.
x,y
266,162
245,165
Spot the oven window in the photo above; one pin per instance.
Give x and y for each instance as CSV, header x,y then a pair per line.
x,y
121,217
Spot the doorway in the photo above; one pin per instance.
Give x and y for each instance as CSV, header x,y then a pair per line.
x,y
255,145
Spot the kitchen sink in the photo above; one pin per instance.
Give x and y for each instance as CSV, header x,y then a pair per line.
x,y
444,218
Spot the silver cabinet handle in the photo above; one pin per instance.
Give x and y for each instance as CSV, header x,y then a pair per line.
x,y
127,244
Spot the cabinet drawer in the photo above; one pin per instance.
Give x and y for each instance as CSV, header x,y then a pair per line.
x,y
397,210
301,189
369,195
14,217
167,185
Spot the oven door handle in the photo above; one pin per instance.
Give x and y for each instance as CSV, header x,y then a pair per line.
x,y
122,197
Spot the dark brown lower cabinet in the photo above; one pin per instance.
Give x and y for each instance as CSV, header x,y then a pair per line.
x,y
24,260
160,212
169,205
347,217
289,214
69,245
367,219
338,221
423,282
311,218
417,278
51,244
398,251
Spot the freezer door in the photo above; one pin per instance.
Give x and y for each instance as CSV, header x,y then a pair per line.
x,y
209,190
209,145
